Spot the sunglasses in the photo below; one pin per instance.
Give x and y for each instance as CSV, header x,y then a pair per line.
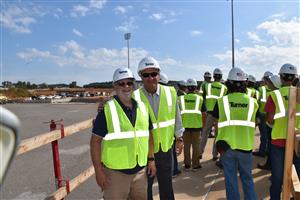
x,y
147,75
123,84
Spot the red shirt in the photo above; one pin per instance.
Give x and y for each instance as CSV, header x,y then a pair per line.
x,y
270,109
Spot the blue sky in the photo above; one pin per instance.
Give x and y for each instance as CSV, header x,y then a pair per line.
x,y
64,41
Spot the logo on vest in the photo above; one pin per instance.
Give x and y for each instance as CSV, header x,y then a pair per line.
x,y
190,101
215,87
239,105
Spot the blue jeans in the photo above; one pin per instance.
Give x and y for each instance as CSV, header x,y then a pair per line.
x,y
263,147
277,167
235,161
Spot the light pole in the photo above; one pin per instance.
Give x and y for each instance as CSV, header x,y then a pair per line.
x,y
232,34
127,37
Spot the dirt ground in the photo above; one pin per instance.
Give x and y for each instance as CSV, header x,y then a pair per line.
x,y
208,182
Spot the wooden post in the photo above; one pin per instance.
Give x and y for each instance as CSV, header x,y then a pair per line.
x,y
289,146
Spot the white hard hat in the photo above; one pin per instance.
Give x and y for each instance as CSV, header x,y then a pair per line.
x,y
148,62
122,73
237,74
163,78
207,75
268,74
191,82
288,69
251,79
182,82
276,81
217,71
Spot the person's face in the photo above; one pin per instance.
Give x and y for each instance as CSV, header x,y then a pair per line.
x,y
207,79
270,85
124,88
150,78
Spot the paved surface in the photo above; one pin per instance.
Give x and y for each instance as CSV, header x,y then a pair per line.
x,y
31,175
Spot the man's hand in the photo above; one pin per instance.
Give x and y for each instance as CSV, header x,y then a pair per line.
x,y
101,178
151,168
179,145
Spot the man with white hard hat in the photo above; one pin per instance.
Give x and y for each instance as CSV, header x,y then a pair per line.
x,y
236,114
181,88
274,83
207,79
122,142
276,109
165,116
193,117
212,92
251,91
264,92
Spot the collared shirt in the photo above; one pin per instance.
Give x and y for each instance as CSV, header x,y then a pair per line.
x,y
154,102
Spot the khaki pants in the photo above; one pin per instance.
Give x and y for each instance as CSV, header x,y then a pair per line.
x,y
191,138
126,186
205,132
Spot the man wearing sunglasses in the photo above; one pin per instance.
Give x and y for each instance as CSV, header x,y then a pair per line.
x,y
165,116
122,143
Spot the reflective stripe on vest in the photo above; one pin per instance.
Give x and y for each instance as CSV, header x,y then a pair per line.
x,y
249,92
195,111
210,96
117,134
229,122
282,112
164,124
264,94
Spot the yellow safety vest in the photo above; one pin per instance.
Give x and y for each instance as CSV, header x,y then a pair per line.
x,y
236,123
125,146
164,124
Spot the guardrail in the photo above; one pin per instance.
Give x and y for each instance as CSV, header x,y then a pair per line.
x,y
52,137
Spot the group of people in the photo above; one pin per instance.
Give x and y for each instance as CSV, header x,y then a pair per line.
x,y
139,133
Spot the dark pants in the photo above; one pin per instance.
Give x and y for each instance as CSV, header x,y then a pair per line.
x,y
262,126
277,167
163,162
175,161
269,134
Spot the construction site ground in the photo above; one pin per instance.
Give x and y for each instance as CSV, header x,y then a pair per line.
x,y
208,182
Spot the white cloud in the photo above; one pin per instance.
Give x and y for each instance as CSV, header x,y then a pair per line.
x,y
57,13
237,40
93,7
282,32
284,47
169,21
31,53
78,33
157,16
165,16
195,33
254,37
17,19
127,26
71,53
122,9
277,15
97,4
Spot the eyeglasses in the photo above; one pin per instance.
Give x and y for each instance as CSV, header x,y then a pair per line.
x,y
147,75
123,84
